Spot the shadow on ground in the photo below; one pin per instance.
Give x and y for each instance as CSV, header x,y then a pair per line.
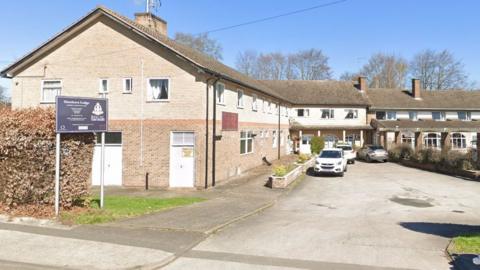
x,y
464,262
447,230
311,172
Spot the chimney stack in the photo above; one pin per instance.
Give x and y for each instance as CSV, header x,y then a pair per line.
x,y
416,89
362,84
152,22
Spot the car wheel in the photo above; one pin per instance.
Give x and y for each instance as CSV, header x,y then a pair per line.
x,y
385,160
345,170
368,159
340,174
353,161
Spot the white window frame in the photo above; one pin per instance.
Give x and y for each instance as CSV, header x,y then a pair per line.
x,y
248,138
458,141
468,116
391,113
269,107
274,138
124,81
42,86
429,142
282,139
410,113
149,99
220,95
442,116
331,114
306,112
100,85
254,102
355,114
384,115
240,99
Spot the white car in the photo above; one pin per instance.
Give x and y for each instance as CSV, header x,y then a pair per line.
x,y
348,151
331,161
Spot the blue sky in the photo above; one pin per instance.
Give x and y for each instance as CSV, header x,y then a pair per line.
x,y
348,32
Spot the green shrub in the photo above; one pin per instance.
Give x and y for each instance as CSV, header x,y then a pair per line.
x,y
302,158
317,144
401,151
282,170
458,160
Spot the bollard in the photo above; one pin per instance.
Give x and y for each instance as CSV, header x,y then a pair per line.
x,y
146,181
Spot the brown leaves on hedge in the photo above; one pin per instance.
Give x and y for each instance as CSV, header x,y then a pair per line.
x,y
27,159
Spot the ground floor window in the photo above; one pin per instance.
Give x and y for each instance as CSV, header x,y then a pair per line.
x,y
408,139
246,142
111,138
330,141
282,139
458,141
351,138
432,140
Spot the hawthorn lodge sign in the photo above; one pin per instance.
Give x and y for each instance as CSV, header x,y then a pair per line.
x,y
81,115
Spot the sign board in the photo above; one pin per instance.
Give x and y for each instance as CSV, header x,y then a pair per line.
x,y
81,115
229,121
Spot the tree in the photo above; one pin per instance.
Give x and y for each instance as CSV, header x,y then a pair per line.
x,y
202,43
348,76
385,71
304,65
317,144
439,70
310,65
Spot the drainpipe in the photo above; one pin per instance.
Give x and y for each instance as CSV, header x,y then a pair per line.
x,y
278,132
214,135
206,133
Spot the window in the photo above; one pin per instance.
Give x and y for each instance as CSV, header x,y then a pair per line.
x,y
282,139
351,114
275,108
50,89
246,142
270,107
409,138
254,103
239,98
391,115
103,87
438,116
328,114
274,139
127,85
266,133
432,140
352,138
111,138
465,116
459,141
265,106
380,115
413,116
220,93
303,112
158,89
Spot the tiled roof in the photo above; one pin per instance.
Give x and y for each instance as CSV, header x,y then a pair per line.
x,y
426,125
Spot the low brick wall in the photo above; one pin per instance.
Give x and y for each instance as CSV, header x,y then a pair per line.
x,y
309,163
284,181
474,175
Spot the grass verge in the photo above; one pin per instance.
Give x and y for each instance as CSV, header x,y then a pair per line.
x,y
118,207
466,244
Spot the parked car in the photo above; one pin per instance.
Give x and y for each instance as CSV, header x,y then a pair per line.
x,y
348,151
373,153
331,161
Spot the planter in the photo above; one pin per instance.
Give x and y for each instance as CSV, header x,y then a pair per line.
x,y
307,164
474,175
284,181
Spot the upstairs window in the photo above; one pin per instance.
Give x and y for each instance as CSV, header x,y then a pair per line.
x,y
127,85
438,116
303,112
158,89
380,115
328,114
239,98
51,89
351,114
464,116
413,116
274,139
220,93
254,103
103,87
391,115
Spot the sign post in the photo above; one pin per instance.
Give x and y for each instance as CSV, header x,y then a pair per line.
x,y
79,115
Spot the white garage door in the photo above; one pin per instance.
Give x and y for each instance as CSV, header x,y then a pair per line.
x,y
113,160
182,159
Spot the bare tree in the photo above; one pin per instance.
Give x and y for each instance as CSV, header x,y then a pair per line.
x,y
247,63
202,43
348,76
310,65
385,71
439,71
306,65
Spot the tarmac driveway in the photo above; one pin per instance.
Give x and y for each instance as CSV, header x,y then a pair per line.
x,y
379,216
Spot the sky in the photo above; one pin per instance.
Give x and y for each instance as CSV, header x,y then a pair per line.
x,y
348,32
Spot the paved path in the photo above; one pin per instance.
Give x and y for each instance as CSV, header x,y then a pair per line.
x,y
379,216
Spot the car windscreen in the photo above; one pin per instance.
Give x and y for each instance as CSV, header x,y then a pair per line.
x,y
376,147
345,148
330,154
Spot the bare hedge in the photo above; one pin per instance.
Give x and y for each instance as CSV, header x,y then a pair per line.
x,y
27,160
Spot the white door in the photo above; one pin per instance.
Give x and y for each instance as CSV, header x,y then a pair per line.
x,y
113,160
182,159
305,144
